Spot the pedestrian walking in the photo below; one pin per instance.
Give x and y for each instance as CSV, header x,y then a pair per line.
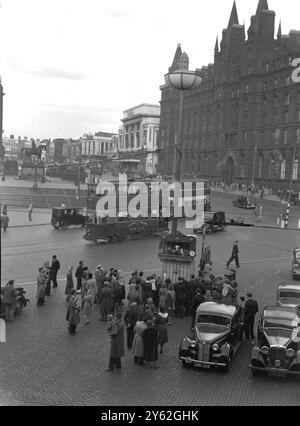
x,y
162,295
138,343
190,291
79,275
251,309
91,286
4,222
130,318
54,268
73,312
30,210
4,210
161,322
46,267
150,338
117,344
69,283
234,255
9,299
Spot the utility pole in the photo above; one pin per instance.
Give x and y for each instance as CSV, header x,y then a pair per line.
x,y
254,165
290,190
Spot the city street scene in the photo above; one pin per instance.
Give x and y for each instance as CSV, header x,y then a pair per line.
x,y
150,203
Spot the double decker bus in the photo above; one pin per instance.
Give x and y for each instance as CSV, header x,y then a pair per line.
x,y
151,219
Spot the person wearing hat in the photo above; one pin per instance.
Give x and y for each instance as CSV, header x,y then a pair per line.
x,y
117,343
73,312
106,301
234,255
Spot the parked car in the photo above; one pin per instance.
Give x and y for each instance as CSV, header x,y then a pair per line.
x,y
216,337
288,295
296,263
278,343
212,222
63,217
244,203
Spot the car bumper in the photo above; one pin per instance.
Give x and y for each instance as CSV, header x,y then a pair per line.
x,y
189,360
274,370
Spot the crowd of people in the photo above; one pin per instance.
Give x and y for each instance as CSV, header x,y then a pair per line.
x,y
146,310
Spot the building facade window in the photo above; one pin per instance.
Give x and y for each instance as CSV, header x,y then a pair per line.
x,y
295,170
298,135
243,172
285,136
260,161
283,170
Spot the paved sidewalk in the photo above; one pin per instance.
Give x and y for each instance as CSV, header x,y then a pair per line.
x,y
51,183
19,218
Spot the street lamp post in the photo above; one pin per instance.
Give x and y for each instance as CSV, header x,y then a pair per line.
x,y
290,190
181,80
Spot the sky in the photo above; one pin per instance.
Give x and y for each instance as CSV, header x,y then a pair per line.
x,y
70,67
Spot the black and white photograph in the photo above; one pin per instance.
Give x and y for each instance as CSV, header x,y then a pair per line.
x,y
149,206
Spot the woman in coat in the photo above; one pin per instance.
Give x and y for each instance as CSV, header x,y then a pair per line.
x,y
162,295
130,319
138,343
150,338
170,301
117,344
91,286
73,313
69,283
42,279
150,308
161,322
106,301
87,307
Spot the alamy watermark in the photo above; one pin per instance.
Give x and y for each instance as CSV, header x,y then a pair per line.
x,y
296,72
152,199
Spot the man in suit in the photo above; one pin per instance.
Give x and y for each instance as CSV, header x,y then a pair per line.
x,y
54,268
234,255
251,309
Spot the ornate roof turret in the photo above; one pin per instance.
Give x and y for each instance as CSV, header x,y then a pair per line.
x,y
262,5
217,46
233,17
175,64
279,34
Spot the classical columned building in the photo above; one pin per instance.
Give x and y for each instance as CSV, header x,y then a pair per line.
x,y
99,145
243,122
138,138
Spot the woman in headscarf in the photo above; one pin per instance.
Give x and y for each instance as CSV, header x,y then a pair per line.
x,y
69,283
162,295
138,343
73,313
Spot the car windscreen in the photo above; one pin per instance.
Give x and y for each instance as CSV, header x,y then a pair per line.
x,y
213,319
289,294
297,255
278,323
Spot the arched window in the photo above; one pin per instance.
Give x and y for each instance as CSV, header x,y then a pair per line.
x,y
283,169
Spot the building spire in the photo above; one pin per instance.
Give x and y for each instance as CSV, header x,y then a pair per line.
x,y
262,5
176,60
217,45
233,17
279,31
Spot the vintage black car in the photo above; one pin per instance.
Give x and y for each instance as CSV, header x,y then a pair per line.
x,y
278,343
288,295
216,337
213,221
63,217
244,203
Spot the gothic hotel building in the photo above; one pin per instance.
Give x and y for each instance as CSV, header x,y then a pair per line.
x,y
242,124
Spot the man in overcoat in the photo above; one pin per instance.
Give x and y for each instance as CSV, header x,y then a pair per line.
x,y
234,255
54,268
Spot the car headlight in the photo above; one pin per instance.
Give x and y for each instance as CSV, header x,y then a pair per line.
x,y
193,345
290,353
277,363
215,347
264,350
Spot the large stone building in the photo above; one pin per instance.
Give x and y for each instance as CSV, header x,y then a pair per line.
x,y
99,145
138,139
243,122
